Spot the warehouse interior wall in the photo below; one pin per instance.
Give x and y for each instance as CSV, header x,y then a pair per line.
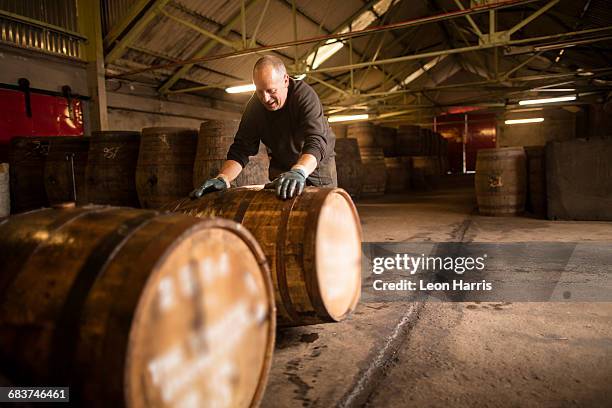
x,y
558,125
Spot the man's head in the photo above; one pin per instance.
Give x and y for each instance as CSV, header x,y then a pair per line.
x,y
271,82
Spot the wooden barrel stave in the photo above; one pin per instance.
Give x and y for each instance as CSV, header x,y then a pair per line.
x,y
349,166
66,154
110,175
214,140
374,171
27,156
164,172
47,340
396,175
364,132
501,181
298,246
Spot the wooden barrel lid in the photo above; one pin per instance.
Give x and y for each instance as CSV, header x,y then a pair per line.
x,y
204,317
338,254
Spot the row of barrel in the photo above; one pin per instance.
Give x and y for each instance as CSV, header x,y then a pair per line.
x,y
142,308
372,160
132,169
511,180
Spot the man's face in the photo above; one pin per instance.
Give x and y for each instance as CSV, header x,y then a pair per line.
x,y
271,87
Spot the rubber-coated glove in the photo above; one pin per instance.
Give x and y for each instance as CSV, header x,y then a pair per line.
x,y
290,184
209,186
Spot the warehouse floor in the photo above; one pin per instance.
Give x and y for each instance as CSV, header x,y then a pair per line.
x,y
404,351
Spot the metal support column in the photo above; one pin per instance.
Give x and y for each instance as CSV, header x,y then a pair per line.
x,y
90,25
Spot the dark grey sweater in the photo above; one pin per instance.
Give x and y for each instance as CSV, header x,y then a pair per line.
x,y
299,127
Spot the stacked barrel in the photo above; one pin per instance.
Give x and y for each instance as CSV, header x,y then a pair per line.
x,y
374,176
426,151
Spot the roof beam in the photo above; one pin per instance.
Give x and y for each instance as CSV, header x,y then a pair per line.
x,y
206,48
118,48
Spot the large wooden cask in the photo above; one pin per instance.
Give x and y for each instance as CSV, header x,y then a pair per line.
x,y
110,175
5,196
387,139
349,166
312,243
374,171
501,181
132,308
214,141
364,132
27,156
409,141
339,130
426,172
396,175
65,169
164,172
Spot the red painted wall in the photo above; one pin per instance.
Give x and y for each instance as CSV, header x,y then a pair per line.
x,y
50,117
481,134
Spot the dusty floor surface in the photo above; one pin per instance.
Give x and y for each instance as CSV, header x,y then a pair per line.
x,y
403,351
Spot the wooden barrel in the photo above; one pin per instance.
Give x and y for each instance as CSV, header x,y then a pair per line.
x,y
65,169
501,181
339,130
164,172
5,196
374,171
312,243
409,141
387,139
396,175
110,175
364,132
132,308
407,163
348,166
426,172
27,158
536,202
214,141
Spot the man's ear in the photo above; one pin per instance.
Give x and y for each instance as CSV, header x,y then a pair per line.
x,y
286,80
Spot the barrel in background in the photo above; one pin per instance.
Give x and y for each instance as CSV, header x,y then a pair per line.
x,y
426,172
123,304
387,139
339,130
409,141
396,175
27,156
164,172
64,174
110,175
348,166
5,195
312,243
364,132
501,181
214,140
374,171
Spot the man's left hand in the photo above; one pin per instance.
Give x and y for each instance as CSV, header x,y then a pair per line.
x,y
290,184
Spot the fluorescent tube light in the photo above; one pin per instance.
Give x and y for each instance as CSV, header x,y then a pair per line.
x,y
547,100
517,121
240,88
346,118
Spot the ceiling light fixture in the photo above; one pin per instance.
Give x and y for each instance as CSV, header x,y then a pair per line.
x,y
240,89
518,121
346,118
547,100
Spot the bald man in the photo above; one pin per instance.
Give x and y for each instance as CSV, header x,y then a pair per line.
x,y
287,116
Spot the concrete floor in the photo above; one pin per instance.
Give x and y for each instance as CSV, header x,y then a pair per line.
x,y
406,351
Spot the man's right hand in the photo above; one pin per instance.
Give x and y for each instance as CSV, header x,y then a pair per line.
x,y
209,186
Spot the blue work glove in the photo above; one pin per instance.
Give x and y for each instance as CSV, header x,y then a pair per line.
x,y
290,183
209,186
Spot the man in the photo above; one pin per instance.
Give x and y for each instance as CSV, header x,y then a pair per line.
x,y
287,116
